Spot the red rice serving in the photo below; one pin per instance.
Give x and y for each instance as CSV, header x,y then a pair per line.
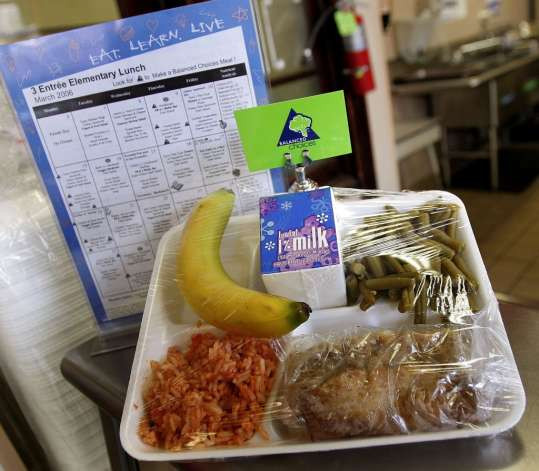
x,y
214,394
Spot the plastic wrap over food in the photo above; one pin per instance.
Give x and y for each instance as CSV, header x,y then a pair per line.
x,y
214,393
420,254
384,382
418,350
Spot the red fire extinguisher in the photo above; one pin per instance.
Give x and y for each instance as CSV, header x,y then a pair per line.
x,y
357,58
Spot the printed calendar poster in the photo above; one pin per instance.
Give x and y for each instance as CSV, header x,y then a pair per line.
x,y
130,123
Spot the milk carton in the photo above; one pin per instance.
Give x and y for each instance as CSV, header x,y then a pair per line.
x,y
300,255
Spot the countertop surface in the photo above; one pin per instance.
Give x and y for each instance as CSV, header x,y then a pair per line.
x,y
472,81
104,380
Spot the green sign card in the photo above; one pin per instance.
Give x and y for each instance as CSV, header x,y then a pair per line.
x,y
318,124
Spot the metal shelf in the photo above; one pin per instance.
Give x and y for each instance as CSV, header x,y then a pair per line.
x,y
469,154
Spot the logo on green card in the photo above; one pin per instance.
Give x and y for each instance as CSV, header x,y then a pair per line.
x,y
297,128
274,134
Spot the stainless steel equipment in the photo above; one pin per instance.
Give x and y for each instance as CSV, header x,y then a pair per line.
x,y
481,87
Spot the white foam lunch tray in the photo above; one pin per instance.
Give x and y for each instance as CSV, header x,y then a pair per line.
x,y
168,321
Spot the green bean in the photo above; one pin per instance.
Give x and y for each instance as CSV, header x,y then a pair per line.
x,y
407,215
420,308
388,214
393,264
365,305
427,246
388,283
352,289
405,303
412,214
436,264
406,274
452,270
444,249
452,226
441,248
472,301
410,268
425,249
440,215
443,238
404,228
368,297
407,299
423,218
358,269
375,266
461,265
386,237
394,229
423,222
418,313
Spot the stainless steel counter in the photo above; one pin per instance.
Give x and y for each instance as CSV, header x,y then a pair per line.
x,y
473,81
483,96
104,380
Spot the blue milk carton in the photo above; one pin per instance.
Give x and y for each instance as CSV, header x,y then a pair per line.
x,y
300,255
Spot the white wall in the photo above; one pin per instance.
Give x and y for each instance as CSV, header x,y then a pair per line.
x,y
378,101
512,12
59,14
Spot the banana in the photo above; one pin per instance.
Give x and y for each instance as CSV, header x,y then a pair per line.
x,y
213,295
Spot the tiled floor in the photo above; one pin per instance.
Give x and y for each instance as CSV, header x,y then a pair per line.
x,y
506,226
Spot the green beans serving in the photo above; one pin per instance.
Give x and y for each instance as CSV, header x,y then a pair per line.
x,y
414,258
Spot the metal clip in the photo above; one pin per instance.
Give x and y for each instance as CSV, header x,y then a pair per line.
x,y
302,183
